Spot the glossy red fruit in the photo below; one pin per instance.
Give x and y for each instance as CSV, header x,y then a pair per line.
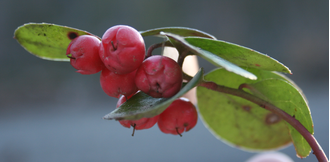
x,y
115,85
83,52
122,49
144,123
180,116
159,76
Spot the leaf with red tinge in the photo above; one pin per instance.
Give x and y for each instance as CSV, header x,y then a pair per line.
x,y
285,96
243,124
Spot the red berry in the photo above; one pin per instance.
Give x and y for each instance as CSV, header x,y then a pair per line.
x,y
143,123
122,49
83,52
115,85
180,116
159,76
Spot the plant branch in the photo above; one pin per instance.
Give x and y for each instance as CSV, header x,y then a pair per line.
x,y
182,56
157,45
186,77
153,47
318,152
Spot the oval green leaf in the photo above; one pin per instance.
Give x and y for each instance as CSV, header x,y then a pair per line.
x,y
238,55
238,122
47,41
180,43
182,31
285,96
142,105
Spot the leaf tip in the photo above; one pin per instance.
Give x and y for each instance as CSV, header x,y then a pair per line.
x,y
253,77
106,117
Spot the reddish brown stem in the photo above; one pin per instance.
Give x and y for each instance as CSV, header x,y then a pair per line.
x,y
182,56
186,77
134,125
152,48
244,85
113,46
70,57
318,152
177,131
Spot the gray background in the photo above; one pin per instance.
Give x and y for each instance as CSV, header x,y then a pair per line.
x,y
50,113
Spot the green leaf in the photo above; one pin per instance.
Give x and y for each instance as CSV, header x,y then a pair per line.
x,y
285,96
142,105
238,55
241,123
47,41
182,31
180,42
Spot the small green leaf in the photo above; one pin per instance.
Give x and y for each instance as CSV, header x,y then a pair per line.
x,y
182,31
180,42
142,105
238,55
243,124
285,96
47,41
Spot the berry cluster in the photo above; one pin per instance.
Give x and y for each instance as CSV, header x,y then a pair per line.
x,y
121,58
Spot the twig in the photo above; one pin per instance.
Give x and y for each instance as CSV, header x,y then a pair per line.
x,y
152,47
182,56
157,45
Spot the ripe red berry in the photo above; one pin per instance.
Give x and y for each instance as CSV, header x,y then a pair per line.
x,y
180,116
159,76
83,52
122,49
115,85
143,123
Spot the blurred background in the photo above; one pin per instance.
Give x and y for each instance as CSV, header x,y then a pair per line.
x,y
50,113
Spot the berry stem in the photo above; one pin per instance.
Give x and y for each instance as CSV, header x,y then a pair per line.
x,y
157,45
182,56
318,152
70,56
134,125
113,46
177,131
186,77
152,47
